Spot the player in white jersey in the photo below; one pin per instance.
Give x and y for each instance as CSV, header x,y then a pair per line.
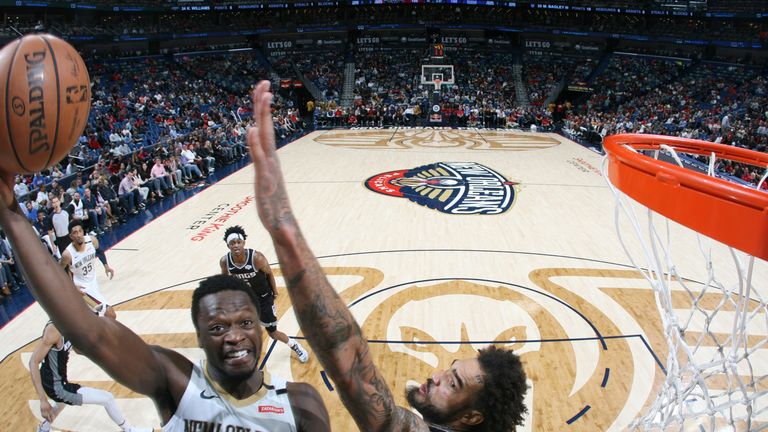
x,y
270,409
227,392
79,259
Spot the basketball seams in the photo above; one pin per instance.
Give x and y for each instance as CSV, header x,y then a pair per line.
x,y
58,100
9,111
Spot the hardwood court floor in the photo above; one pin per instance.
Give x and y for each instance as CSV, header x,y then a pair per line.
x,y
546,276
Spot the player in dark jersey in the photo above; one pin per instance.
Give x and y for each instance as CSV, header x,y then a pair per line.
x,y
48,368
251,266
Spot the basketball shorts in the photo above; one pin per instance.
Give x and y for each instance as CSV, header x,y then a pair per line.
x,y
95,299
64,392
268,313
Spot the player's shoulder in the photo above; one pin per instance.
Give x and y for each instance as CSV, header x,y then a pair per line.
x,y
51,332
300,388
303,395
405,420
176,366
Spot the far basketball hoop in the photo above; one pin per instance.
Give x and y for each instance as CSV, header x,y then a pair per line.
x,y
716,329
437,75
437,82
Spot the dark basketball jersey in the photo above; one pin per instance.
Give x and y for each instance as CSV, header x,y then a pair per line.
x,y
247,272
53,370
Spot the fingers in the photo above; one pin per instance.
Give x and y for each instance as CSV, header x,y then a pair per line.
x,y
261,138
267,133
261,88
257,154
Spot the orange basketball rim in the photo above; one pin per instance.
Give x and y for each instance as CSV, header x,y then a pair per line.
x,y
728,212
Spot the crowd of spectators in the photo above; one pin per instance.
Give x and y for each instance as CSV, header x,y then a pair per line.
x,y
157,126
722,103
326,71
543,75
164,123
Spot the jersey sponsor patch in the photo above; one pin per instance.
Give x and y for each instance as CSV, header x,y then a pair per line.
x,y
271,409
449,187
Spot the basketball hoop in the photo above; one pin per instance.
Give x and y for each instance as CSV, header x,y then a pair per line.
x,y
698,201
716,330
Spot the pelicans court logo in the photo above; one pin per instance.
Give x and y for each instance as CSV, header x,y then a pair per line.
x,y
449,187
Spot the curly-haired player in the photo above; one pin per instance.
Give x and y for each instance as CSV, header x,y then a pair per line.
x,y
251,266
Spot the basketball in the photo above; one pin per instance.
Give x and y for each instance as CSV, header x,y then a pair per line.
x,y
46,95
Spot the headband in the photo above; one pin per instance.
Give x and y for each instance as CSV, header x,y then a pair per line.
x,y
235,236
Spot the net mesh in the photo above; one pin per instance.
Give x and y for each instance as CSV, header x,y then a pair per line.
x,y
716,328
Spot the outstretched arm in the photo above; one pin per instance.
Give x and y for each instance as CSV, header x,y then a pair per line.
x,y
328,324
108,343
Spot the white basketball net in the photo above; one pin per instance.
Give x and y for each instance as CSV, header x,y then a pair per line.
x,y
715,329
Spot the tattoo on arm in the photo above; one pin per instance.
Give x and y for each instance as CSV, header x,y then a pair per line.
x,y
342,349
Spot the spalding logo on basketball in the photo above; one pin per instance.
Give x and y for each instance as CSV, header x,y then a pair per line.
x,y
46,96
449,187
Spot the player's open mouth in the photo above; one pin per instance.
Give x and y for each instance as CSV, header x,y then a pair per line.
x,y
236,356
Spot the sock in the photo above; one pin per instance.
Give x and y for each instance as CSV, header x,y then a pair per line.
x,y
291,343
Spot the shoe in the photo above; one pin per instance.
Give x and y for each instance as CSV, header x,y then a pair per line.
x,y
142,206
40,428
300,352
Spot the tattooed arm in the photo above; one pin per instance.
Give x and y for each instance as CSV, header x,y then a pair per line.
x,y
328,324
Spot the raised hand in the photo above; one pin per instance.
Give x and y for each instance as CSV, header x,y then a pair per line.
x,y
273,205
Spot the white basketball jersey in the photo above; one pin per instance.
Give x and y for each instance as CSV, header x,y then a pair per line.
x,y
83,269
206,407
